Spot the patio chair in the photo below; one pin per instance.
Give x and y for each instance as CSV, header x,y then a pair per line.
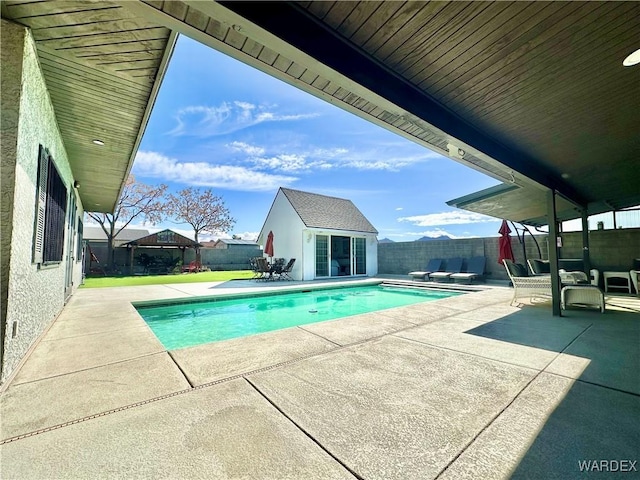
x,y
434,265
264,270
286,271
582,295
524,286
538,267
475,269
276,268
454,265
253,263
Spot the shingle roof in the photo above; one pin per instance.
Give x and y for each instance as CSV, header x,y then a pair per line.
x,y
126,235
321,211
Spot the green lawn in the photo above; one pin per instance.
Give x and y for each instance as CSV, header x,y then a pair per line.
x,y
98,282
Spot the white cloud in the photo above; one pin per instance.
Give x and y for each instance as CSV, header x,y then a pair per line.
x,y
447,218
283,162
207,121
152,164
243,235
246,148
328,159
399,209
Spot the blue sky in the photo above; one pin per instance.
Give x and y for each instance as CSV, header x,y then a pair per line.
x,y
220,124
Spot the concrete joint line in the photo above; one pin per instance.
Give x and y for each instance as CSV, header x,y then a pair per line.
x,y
492,420
318,335
155,399
307,434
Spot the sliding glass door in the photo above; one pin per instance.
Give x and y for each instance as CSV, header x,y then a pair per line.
x,y
322,256
359,256
340,255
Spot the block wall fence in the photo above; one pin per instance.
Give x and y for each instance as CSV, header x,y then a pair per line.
x,y
215,258
609,250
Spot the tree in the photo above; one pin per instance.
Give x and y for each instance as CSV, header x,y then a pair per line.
x,y
203,210
144,202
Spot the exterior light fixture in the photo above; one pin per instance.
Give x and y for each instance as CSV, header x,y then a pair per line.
x,y
98,142
76,184
454,151
632,59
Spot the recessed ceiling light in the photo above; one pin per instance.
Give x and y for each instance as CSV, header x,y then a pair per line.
x,y
632,59
565,176
98,142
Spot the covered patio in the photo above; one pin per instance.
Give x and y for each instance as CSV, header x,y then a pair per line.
x,y
465,387
532,93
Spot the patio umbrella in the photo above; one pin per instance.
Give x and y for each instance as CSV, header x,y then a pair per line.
x,y
504,244
268,248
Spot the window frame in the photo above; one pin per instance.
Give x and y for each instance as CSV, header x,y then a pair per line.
x,y
50,212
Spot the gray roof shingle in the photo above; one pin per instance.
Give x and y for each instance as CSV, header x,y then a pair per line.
x,y
126,235
321,211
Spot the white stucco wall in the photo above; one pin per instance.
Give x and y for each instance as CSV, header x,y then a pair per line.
x,y
292,239
287,227
34,296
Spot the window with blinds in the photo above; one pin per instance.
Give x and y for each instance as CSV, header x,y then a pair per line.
x,y
79,245
51,207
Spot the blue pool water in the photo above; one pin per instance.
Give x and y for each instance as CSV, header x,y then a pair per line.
x,y
182,324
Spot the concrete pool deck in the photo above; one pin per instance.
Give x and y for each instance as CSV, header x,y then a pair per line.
x,y
464,387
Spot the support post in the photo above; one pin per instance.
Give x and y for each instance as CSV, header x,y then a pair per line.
x,y
586,257
133,247
553,252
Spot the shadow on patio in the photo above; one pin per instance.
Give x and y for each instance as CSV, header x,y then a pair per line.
x,y
582,408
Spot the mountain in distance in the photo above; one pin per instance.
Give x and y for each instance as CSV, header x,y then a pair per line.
x,y
386,240
439,237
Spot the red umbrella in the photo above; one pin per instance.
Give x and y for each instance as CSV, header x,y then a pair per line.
x,y
268,248
505,250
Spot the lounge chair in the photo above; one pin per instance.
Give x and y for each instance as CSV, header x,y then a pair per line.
x,y
475,269
434,265
525,286
454,265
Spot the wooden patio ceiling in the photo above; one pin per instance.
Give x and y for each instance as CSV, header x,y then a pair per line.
x,y
534,93
526,88
103,68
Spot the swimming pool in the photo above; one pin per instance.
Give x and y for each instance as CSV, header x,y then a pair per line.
x,y
182,324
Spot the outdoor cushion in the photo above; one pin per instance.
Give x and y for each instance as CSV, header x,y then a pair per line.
x,y
520,270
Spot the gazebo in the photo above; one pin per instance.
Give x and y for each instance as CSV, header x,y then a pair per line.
x,y
165,239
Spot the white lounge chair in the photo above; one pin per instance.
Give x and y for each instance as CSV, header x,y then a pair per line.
x,y
538,287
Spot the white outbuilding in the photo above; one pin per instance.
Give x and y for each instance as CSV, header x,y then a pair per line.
x,y
328,236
